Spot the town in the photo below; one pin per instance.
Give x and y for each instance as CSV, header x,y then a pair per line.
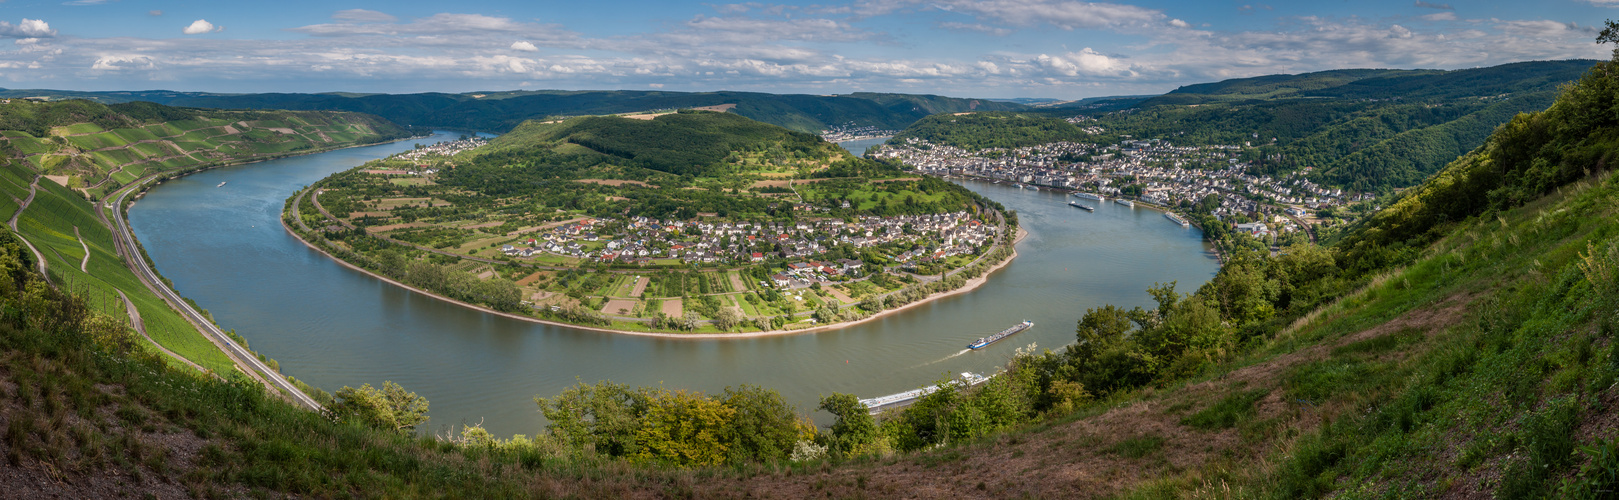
x,y
443,149
1151,171
905,240
852,132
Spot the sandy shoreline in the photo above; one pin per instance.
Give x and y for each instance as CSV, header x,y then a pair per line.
x,y
971,285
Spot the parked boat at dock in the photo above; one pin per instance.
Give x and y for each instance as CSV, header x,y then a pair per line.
x,y
1177,219
1090,196
1127,203
880,403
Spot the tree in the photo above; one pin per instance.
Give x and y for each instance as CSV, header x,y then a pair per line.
x,y
764,426
827,314
727,318
854,426
1610,34
873,303
604,416
684,428
391,408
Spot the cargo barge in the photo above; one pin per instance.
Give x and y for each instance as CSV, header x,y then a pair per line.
x,y
981,343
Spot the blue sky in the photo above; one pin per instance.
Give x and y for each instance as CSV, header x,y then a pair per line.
x,y
972,48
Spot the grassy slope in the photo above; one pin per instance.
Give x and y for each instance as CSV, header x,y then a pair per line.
x,y
49,223
50,220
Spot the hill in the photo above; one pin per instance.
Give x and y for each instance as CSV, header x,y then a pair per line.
x,y
677,143
97,148
502,110
976,131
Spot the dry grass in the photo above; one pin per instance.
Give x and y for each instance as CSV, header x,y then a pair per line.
x,y
672,307
619,307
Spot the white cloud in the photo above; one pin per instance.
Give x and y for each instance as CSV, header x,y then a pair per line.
x,y
28,28
1444,6
798,53
975,27
1604,3
1439,16
437,24
201,26
1063,14
123,62
363,16
154,13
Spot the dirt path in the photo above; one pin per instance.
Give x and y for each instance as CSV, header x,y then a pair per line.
x,y
32,189
736,283
140,327
640,286
39,258
83,264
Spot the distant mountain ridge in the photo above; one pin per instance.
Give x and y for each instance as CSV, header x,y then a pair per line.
x,y
500,111
1383,83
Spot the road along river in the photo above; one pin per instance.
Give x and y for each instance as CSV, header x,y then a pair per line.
x,y
224,247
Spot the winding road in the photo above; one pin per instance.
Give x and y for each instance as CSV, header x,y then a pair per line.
x,y
140,327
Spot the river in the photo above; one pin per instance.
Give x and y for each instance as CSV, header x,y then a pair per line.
x,y
331,326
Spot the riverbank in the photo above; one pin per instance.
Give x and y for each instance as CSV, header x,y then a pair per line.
x,y
970,285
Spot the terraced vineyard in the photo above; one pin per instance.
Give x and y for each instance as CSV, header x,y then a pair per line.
x,y
114,145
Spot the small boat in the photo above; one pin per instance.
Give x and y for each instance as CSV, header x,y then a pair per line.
x,y
222,184
1076,204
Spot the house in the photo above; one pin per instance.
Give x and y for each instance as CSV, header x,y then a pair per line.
x,y
1253,228
780,279
756,257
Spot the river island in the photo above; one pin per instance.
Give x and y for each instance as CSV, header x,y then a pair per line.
x,y
692,224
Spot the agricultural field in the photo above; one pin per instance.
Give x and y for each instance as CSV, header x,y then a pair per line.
x,y
682,220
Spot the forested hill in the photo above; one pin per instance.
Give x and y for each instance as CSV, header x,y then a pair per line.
x,y
686,142
501,111
1366,130
976,131
1384,84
